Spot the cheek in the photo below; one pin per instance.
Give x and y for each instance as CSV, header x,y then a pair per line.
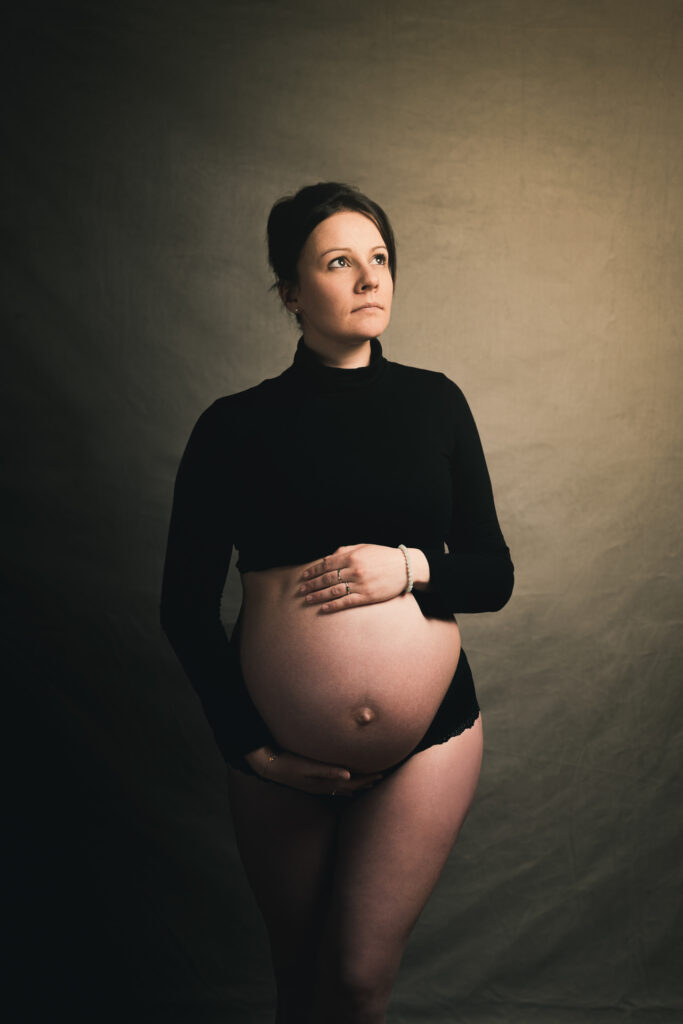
x,y
324,296
332,298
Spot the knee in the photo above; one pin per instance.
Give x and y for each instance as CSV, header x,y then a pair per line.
x,y
357,992
365,996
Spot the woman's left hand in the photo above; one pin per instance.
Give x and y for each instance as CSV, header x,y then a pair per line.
x,y
373,573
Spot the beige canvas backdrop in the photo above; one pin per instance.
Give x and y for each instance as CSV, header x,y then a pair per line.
x,y
529,155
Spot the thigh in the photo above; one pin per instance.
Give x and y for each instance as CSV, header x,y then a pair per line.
x,y
285,840
393,843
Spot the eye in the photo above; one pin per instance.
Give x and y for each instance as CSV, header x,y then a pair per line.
x,y
336,262
381,257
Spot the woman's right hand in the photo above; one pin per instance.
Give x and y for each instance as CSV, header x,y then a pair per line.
x,y
303,773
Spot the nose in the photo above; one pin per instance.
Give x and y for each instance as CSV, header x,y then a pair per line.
x,y
368,279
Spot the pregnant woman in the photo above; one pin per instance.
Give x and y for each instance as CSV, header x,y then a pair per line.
x,y
342,703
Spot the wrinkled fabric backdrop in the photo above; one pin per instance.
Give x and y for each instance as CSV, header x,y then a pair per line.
x,y
530,157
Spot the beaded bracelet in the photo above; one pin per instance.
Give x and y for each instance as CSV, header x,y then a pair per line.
x,y
409,585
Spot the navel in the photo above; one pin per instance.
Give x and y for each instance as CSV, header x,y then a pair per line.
x,y
364,715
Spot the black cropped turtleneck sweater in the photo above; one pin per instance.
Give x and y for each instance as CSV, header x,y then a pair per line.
x,y
293,468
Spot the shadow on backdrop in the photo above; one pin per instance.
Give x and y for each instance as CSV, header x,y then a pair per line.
x,y
530,156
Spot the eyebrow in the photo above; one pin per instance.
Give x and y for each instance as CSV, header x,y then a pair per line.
x,y
342,248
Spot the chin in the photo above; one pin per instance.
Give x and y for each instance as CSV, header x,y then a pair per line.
x,y
371,326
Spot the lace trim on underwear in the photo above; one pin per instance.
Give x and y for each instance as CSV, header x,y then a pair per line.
x,y
467,723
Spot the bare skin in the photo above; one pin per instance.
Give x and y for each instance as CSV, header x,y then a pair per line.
x,y
344,290
341,883
356,687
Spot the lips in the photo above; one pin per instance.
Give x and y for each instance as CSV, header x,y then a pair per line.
x,y
368,305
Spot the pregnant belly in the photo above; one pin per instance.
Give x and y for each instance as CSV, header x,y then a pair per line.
x,y
358,687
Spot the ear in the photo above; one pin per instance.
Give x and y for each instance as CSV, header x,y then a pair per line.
x,y
289,295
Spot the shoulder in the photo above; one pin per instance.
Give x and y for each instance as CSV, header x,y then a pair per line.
x,y
432,384
238,406
240,400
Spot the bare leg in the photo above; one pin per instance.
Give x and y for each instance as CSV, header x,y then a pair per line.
x,y
393,842
286,841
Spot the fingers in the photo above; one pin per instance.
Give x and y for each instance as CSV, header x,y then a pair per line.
x,y
328,566
329,580
347,789
332,589
341,780
327,583
325,572
354,782
366,781
314,777
354,575
321,568
334,598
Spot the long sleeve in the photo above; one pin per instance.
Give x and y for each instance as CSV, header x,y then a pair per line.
x,y
200,542
477,574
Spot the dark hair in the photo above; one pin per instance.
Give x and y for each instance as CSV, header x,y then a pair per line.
x,y
292,219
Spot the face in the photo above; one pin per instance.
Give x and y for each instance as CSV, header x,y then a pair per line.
x,y
345,287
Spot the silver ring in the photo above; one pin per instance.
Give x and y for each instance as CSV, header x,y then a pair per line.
x,y
348,589
339,576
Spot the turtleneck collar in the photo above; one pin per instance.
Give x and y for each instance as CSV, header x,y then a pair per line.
x,y
308,366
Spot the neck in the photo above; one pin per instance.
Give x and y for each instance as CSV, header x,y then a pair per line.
x,y
311,371
344,355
